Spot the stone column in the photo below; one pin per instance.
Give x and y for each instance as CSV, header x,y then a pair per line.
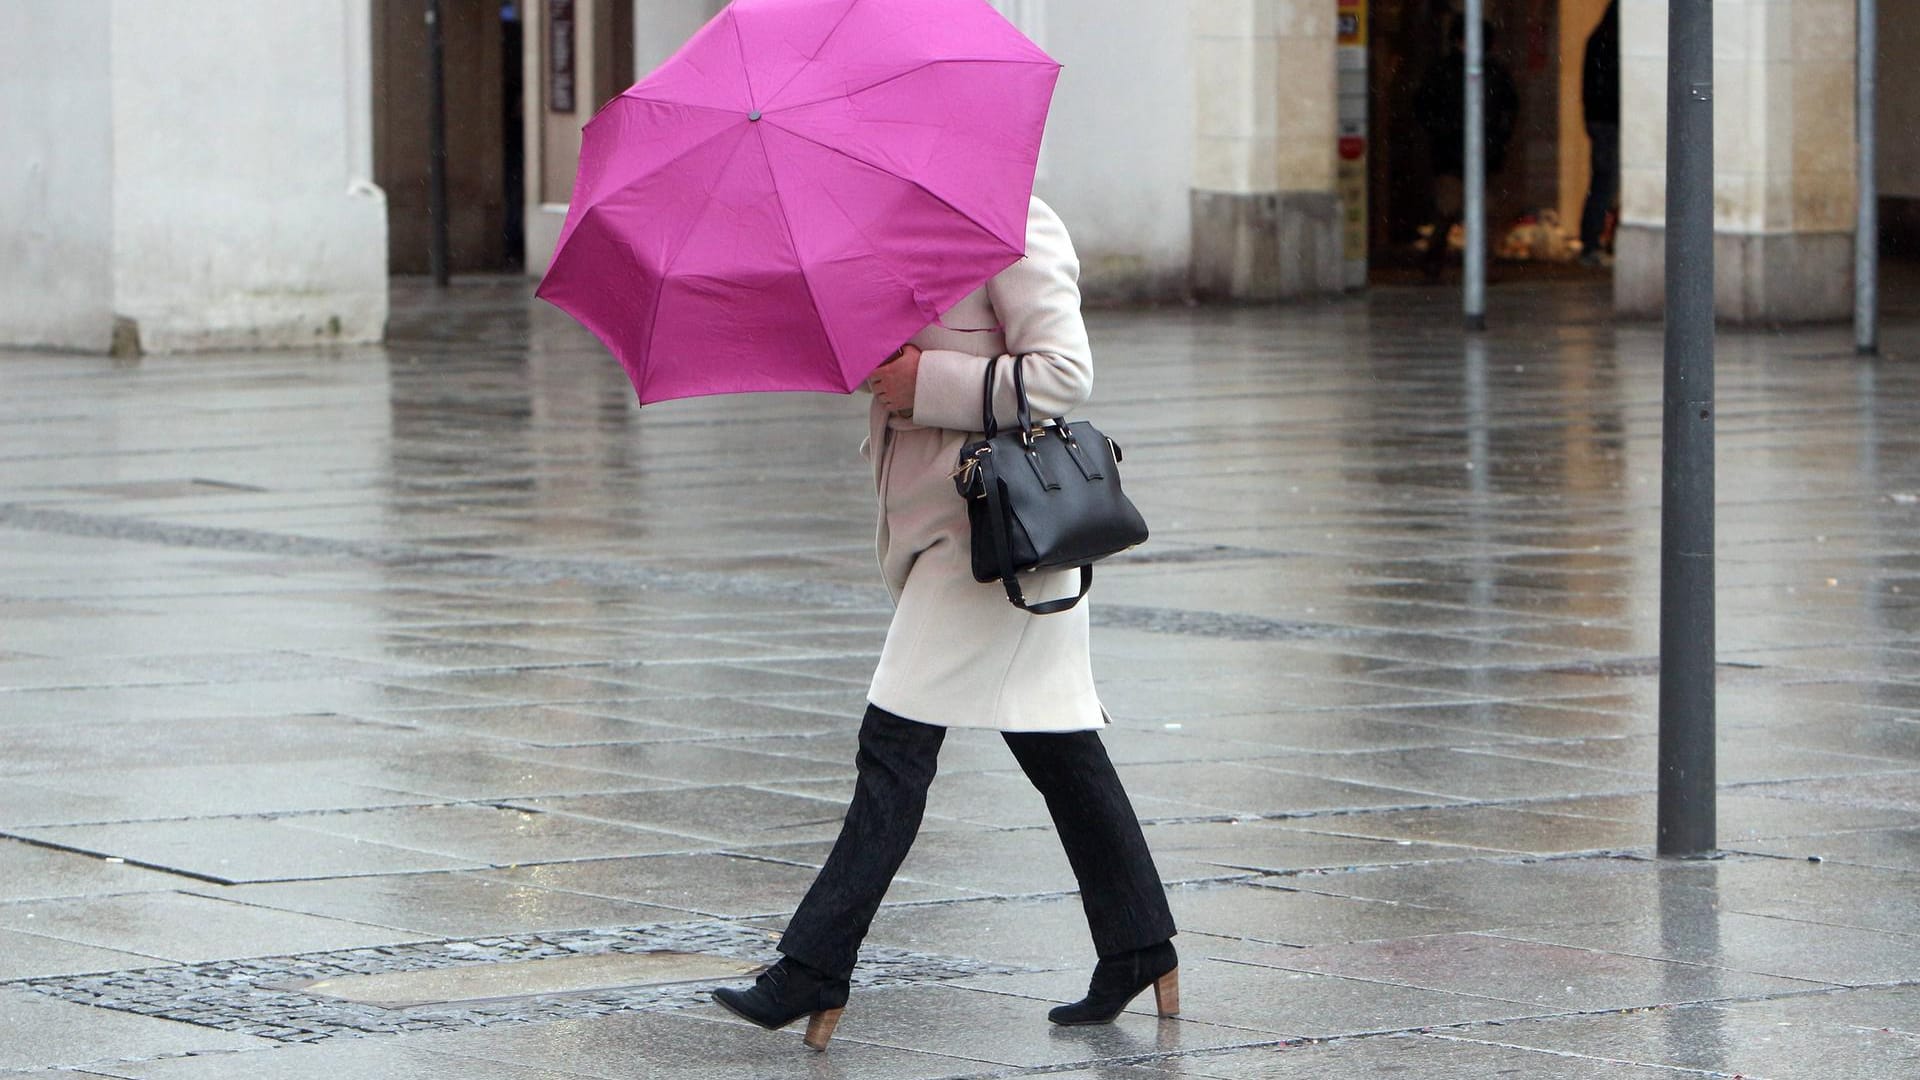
x,y
1784,189
1266,222
191,175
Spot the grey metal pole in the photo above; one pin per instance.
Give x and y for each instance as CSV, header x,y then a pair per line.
x,y
437,252
1687,782
1476,168
1866,233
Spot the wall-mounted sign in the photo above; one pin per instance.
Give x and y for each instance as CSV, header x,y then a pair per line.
x,y
1352,163
560,56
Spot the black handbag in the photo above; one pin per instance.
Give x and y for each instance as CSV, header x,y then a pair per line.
x,y
1043,497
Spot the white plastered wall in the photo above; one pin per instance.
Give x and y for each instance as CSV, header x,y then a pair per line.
x,y
56,176
201,169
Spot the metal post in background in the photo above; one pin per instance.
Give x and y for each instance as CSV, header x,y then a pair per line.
x,y
1476,169
1866,234
1687,775
437,144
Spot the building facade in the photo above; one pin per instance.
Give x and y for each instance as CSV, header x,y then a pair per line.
x,y
221,173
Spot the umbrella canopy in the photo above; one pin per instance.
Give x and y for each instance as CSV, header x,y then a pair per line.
x,y
804,186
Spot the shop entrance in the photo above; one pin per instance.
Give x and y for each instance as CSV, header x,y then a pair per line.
x,y
1543,177
486,162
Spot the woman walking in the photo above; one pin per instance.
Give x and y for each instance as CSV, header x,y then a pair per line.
x,y
959,655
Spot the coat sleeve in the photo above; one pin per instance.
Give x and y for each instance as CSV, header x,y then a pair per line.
x,y
1038,303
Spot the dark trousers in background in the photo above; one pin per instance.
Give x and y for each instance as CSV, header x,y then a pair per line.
x,y
1603,188
1120,889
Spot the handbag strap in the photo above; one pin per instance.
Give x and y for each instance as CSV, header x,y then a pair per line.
x,y
1003,552
1020,396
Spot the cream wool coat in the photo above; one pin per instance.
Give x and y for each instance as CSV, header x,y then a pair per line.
x,y
957,653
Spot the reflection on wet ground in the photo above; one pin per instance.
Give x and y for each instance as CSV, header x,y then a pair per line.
x,y
365,663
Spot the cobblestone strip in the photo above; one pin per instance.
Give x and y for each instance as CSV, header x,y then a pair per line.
x,y
241,995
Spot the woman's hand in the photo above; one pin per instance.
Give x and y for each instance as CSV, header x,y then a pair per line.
x,y
893,382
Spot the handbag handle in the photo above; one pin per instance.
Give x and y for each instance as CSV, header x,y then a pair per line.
x,y
1023,410
988,424
1020,396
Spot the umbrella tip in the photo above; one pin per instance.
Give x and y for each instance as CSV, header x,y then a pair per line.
x,y
754,115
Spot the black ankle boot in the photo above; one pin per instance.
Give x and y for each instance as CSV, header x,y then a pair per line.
x,y
1119,978
786,992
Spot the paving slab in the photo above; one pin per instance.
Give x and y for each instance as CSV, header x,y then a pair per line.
x,y
1884,791
1266,1003
719,884
33,956
242,849
1739,760
1233,788
443,905
1253,911
1776,1040
478,774
1788,948
689,1045
1286,846
116,795
728,814
543,725
38,1032
724,715
1886,849
1425,1056
1550,976
338,1059
32,872
493,835
1528,892
1488,828
176,926
1458,774
1748,813
698,763
1832,893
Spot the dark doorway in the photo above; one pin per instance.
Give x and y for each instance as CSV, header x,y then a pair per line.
x,y
485,146
1408,40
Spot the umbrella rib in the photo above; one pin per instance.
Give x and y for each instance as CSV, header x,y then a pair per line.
x,y
661,166
666,269
746,69
931,194
817,50
799,259
916,69
630,95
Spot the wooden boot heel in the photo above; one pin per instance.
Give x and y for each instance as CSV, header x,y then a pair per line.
x,y
1166,993
820,1027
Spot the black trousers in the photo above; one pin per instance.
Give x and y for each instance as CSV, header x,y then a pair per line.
x,y
1125,903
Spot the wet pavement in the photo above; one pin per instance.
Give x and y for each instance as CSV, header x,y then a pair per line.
x,y
432,711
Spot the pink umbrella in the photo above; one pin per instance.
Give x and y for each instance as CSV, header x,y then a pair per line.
x,y
804,186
